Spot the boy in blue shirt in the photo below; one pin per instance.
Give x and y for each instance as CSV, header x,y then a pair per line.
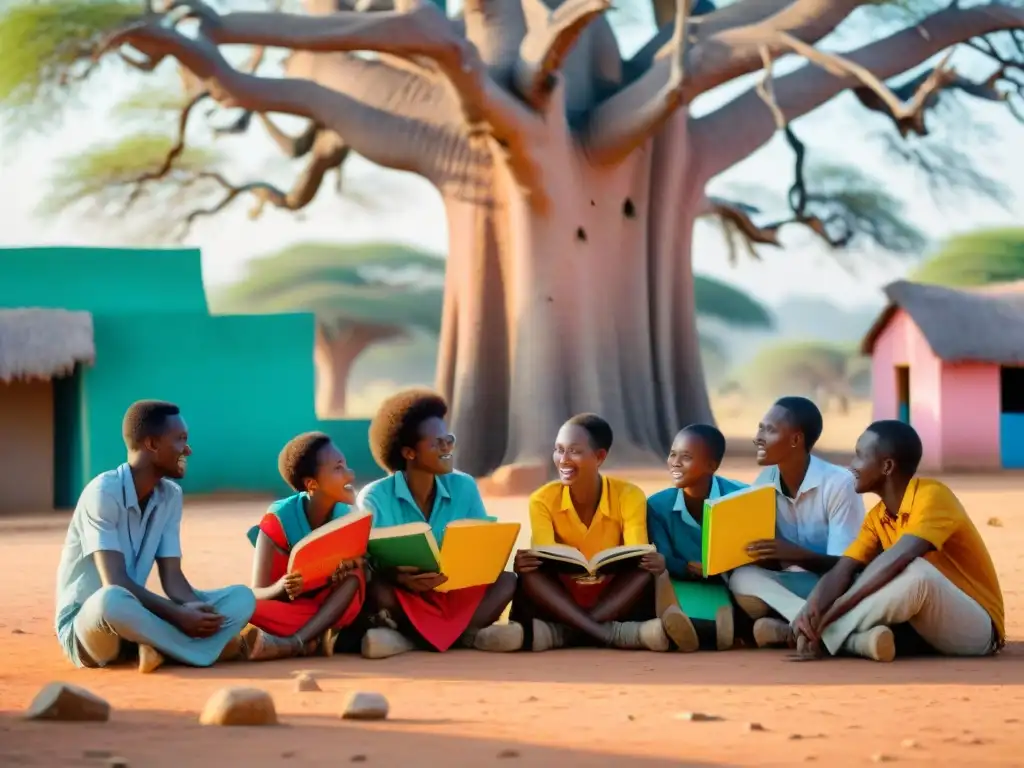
x,y
674,521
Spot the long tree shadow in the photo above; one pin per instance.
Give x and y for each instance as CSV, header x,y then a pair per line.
x,y
155,739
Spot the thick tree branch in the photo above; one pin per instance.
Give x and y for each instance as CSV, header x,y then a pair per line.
x,y
735,130
703,25
421,31
724,52
546,45
634,114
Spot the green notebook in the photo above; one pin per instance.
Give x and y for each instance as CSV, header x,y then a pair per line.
x,y
405,545
700,599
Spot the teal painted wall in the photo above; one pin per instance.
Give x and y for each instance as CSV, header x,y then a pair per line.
x,y
245,383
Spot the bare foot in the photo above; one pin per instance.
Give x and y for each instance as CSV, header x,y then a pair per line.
x,y
150,659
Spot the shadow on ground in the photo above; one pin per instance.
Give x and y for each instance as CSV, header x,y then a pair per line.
x,y
156,739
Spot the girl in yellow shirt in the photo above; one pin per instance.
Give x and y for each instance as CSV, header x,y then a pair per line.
x,y
590,512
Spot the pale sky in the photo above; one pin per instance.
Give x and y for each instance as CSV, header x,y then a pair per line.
x,y
409,210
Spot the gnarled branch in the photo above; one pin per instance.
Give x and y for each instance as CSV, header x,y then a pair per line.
x,y
634,114
734,131
329,152
547,44
172,155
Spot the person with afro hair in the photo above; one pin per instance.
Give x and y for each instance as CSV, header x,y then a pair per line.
x,y
818,515
291,619
410,439
919,561
126,521
675,518
590,512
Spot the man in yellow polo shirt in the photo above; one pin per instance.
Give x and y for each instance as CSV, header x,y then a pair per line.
x,y
921,561
590,512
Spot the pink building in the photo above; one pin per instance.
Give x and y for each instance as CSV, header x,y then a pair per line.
x,y
951,362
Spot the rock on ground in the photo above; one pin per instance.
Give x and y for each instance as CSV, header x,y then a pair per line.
x,y
305,683
364,705
239,706
69,703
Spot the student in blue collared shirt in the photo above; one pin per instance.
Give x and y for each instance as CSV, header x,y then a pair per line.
x,y
674,519
127,520
409,438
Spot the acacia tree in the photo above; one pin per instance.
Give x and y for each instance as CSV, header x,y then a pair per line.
x,y
571,177
976,258
358,293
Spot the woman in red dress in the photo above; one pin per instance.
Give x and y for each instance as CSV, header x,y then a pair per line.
x,y
288,621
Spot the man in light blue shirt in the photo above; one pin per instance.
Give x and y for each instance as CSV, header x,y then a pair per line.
x,y
127,520
818,515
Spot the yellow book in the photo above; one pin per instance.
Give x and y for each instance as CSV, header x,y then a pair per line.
x,y
474,553
732,522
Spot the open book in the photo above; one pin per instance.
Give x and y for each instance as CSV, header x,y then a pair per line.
x,y
732,522
573,560
319,554
474,553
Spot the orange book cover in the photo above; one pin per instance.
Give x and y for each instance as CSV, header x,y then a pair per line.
x,y
318,555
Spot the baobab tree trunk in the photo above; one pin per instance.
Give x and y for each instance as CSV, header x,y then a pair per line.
x,y
580,299
334,353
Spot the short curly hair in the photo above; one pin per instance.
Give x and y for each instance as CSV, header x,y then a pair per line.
x,y
600,431
146,418
298,461
396,425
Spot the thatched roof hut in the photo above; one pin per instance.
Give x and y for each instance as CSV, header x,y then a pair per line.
x,y
43,343
982,325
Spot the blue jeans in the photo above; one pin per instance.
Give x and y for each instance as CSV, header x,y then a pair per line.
x,y
113,614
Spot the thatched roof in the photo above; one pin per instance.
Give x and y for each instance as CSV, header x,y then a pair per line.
x,y
984,325
43,343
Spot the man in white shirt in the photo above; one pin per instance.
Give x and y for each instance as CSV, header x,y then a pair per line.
x,y
127,520
818,515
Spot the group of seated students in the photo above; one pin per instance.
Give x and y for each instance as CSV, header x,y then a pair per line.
x,y
912,574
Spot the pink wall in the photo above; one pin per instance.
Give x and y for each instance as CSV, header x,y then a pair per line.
x,y
954,408
902,343
970,416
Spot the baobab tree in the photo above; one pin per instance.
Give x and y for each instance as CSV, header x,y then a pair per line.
x,y
570,175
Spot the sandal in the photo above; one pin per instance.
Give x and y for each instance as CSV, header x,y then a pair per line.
x,y
267,647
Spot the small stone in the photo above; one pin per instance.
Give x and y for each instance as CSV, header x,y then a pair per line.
x,y
17,631
357,759
631,717
530,700
795,737
306,683
68,703
696,717
507,754
239,706
909,743
995,522
364,705
878,757
755,727
117,762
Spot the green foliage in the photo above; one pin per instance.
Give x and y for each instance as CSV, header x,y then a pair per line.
x,y
722,301
378,283
802,367
151,103
977,258
44,46
104,177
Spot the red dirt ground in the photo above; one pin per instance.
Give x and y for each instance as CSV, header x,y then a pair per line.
x,y
566,708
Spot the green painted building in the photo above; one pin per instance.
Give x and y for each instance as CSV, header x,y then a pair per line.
x,y
84,332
